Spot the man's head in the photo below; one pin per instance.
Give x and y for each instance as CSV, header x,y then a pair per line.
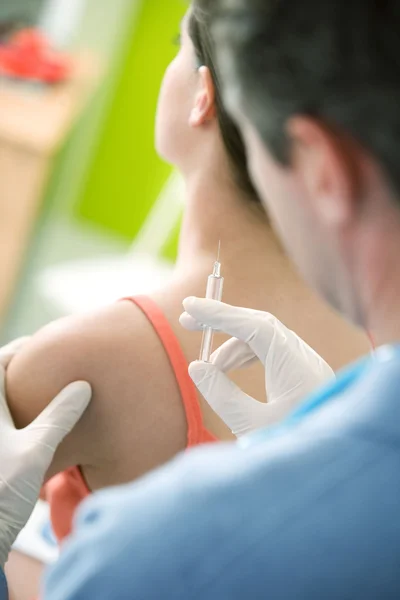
x,y
315,88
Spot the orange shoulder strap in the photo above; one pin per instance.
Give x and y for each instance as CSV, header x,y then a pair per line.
x,y
197,433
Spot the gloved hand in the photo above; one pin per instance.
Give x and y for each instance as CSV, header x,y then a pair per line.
x,y
26,454
292,368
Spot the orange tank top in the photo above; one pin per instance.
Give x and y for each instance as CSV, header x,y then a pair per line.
x,y
66,490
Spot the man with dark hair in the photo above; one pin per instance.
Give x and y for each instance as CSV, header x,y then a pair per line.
x,y
315,88
310,508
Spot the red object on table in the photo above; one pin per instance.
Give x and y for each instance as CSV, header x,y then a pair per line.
x,y
28,55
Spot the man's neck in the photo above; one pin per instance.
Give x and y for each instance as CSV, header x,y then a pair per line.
x,y
385,323
380,284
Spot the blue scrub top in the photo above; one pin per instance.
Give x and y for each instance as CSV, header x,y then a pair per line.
x,y
309,510
3,586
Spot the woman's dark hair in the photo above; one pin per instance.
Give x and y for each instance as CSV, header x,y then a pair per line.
x,y
205,52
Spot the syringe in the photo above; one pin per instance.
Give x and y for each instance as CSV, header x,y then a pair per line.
x,y
215,285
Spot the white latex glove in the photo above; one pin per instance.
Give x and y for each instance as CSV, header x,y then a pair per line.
x,y
26,454
292,368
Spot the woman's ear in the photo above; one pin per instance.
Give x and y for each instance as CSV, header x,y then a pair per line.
x,y
204,108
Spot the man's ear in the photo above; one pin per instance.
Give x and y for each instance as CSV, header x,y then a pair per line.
x,y
204,108
326,164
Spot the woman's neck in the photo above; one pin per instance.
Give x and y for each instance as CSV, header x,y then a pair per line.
x,y
256,270
218,212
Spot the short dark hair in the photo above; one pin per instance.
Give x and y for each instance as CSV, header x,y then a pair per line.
x,y
204,46
335,60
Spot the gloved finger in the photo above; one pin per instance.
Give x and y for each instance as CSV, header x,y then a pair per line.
x,y
5,415
239,411
8,352
255,328
233,354
190,323
226,399
60,416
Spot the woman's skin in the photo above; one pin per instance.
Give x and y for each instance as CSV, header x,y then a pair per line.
x,y
136,419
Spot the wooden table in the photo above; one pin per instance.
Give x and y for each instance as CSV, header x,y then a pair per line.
x,y
33,125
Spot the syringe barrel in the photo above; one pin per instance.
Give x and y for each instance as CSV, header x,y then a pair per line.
x,y
215,286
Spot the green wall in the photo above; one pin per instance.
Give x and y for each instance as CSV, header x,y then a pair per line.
x,y
125,175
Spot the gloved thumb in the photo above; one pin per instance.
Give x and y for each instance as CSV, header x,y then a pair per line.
x,y
238,410
60,416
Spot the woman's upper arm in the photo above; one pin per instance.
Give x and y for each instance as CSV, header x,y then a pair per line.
x,y
134,419
72,349
57,355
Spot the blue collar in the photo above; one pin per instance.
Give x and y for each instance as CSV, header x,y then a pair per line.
x,y
344,380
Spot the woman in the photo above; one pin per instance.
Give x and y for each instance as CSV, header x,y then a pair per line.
x,y
145,409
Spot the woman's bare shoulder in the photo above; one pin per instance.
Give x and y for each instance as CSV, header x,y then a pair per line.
x,y
135,417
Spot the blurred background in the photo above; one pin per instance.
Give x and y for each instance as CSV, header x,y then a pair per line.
x,y
89,213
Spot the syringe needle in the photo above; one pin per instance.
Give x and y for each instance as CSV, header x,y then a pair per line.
x,y
219,250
